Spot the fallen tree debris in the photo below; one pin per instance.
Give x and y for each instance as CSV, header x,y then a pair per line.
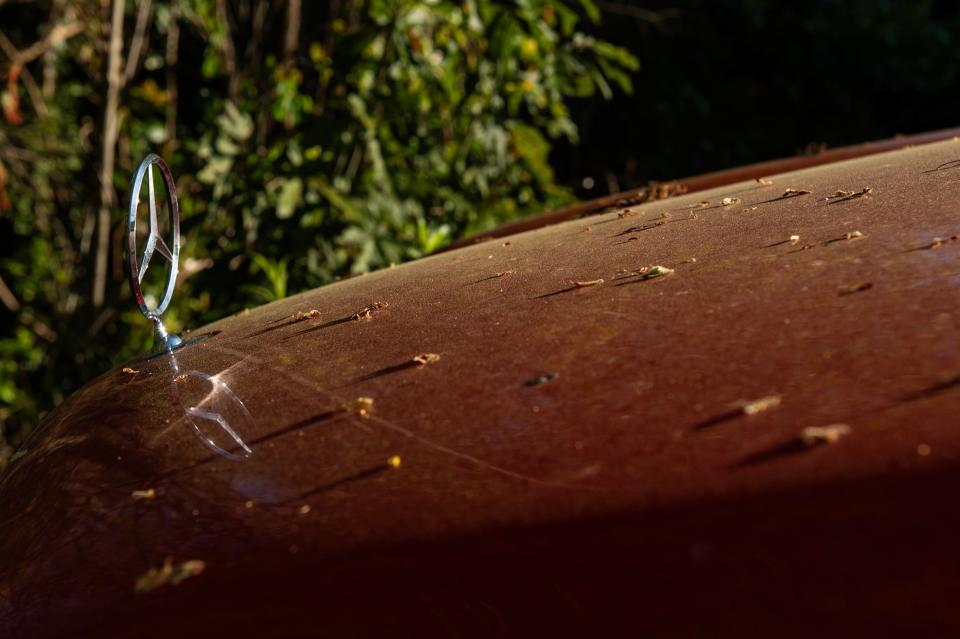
x,y
841,196
311,314
367,311
541,379
759,405
361,406
586,283
426,358
168,574
816,435
939,241
856,288
651,272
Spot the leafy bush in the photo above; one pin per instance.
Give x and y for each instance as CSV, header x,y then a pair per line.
x,y
310,142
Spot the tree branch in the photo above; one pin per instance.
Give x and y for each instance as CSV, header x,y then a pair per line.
x,y
229,53
136,44
49,56
8,298
170,64
253,47
36,97
107,195
58,34
291,39
4,198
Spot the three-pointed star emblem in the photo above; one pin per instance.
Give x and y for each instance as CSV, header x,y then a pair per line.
x,y
155,241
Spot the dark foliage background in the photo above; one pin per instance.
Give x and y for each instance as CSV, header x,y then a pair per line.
x,y
315,140
729,82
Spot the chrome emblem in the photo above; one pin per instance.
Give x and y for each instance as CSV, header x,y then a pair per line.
x,y
155,243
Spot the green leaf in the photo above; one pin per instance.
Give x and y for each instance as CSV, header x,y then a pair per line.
x,y
234,123
592,11
534,149
291,196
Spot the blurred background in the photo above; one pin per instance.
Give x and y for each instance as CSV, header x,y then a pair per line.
x,y
315,140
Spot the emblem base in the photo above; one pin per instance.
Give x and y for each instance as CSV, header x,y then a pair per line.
x,y
162,340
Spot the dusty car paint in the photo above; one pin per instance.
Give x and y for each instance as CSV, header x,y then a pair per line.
x,y
633,454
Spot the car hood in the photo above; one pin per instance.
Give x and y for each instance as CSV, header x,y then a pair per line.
x,y
580,426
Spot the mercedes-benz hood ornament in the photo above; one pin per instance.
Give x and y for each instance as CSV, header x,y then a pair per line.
x,y
163,341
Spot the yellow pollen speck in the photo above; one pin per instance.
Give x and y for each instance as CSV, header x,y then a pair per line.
x,y
394,461
303,510
923,450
